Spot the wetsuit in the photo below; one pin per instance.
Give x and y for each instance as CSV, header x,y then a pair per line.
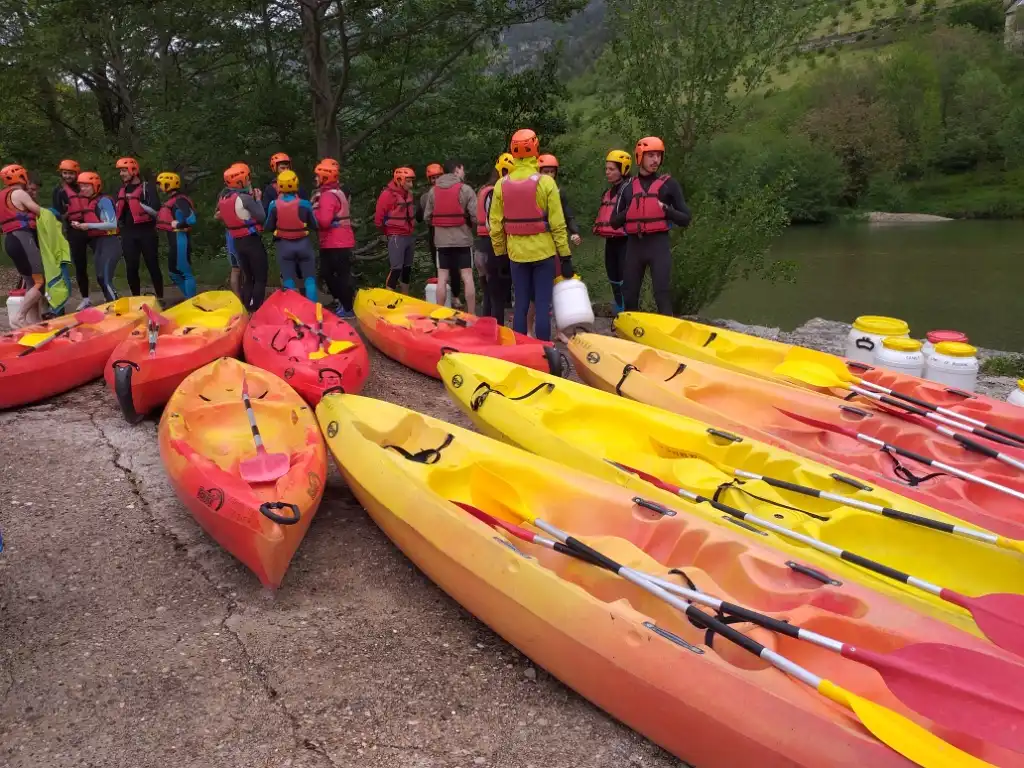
x,y
179,244
138,237
78,241
296,257
614,243
249,249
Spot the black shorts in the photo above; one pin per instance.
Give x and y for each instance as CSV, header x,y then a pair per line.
x,y
454,259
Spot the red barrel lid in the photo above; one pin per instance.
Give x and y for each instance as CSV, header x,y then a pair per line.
x,y
937,337
17,292
433,281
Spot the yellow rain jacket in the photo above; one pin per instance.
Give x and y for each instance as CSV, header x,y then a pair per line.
x,y
524,248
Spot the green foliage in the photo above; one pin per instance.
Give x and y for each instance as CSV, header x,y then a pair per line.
x,y
984,15
1004,365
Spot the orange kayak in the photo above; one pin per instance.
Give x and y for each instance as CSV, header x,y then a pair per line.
x,y
750,406
701,698
204,438
74,357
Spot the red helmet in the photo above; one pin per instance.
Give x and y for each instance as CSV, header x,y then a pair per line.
x,y
277,158
403,173
237,176
524,144
327,171
648,144
69,165
547,161
434,170
13,174
129,164
93,178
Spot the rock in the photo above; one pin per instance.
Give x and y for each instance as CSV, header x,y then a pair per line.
x,y
530,674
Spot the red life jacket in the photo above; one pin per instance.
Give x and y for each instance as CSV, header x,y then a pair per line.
x,y
522,215
401,217
78,203
448,211
603,224
236,225
11,219
483,226
289,225
91,215
134,201
342,217
645,215
165,216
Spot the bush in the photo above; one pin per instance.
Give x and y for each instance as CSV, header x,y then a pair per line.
x,y
1004,365
984,15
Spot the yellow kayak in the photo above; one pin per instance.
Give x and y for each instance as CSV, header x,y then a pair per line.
x,y
588,429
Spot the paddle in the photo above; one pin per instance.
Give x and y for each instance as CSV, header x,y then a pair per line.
x,y
264,467
836,366
957,688
884,446
901,734
34,341
1000,617
332,348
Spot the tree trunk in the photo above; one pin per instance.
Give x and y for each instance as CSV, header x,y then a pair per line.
x,y
325,119
48,104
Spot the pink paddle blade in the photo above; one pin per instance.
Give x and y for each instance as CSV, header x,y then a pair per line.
x,y
1000,616
91,315
264,467
961,689
155,317
823,425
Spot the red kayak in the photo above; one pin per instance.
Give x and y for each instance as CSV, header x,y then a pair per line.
x,y
416,333
285,338
69,351
143,375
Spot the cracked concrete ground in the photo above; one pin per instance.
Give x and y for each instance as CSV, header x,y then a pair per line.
x,y
128,638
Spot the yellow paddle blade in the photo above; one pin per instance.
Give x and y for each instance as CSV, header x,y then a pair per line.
x,y
833,363
291,316
35,339
901,734
334,348
319,312
442,314
809,373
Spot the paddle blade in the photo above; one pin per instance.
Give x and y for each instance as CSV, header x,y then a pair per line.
x,y
809,373
999,616
91,315
155,317
35,339
264,467
961,689
834,365
900,734
817,424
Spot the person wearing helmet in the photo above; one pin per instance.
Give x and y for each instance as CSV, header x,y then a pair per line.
x,y
649,206
451,212
137,206
616,170
291,220
176,217
494,272
337,238
279,162
434,172
527,223
243,216
99,224
395,217
548,165
18,214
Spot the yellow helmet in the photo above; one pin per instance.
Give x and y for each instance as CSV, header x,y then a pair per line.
x,y
287,181
168,181
622,158
505,163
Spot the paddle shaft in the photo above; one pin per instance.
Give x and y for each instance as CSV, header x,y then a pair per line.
x,y
252,417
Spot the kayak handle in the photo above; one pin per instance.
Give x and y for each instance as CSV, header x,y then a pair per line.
x,y
815,574
725,435
267,507
320,374
654,507
851,481
855,411
961,393
445,350
673,638
333,391
123,370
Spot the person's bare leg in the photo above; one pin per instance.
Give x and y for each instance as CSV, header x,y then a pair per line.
x,y
469,290
32,301
442,286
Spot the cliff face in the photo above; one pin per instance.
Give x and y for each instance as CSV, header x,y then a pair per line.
x,y
582,37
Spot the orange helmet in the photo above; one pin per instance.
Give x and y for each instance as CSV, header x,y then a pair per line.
x,y
93,178
648,144
13,174
327,171
237,176
331,162
69,165
434,170
278,157
129,164
403,173
524,144
547,161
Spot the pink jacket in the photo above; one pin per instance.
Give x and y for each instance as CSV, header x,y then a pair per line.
x,y
332,218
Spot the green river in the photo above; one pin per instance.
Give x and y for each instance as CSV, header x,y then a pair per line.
x,y
964,275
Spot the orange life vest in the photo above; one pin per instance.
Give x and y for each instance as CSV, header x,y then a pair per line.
x,y
134,201
165,216
522,215
236,225
91,215
448,212
483,226
78,203
645,215
603,224
289,224
11,219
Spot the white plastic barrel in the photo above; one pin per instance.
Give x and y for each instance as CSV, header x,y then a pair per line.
x,y
1017,396
865,337
901,354
954,364
572,303
14,301
430,293
937,337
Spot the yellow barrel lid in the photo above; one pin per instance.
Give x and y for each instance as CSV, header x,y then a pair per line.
x,y
901,344
1020,384
881,326
955,349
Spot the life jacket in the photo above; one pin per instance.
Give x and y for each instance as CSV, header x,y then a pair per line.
x,y
236,225
11,219
134,201
645,215
165,216
483,227
522,215
603,224
289,225
448,211
342,217
91,215
78,203
402,214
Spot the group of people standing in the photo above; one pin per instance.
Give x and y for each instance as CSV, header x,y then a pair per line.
x,y
517,230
